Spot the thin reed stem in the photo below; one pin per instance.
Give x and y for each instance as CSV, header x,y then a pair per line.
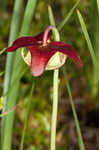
x,y
95,43
94,82
84,29
67,17
81,144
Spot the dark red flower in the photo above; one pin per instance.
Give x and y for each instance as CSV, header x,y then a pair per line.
x,y
43,51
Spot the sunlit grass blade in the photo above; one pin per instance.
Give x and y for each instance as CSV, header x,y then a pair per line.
x,y
51,17
84,29
98,4
61,25
26,117
94,82
13,93
13,34
80,140
10,57
55,89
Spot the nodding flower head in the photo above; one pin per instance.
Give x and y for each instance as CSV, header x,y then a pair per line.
x,y
44,54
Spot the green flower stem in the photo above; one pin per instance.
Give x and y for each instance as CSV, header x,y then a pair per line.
x,y
17,69
55,88
26,117
54,110
10,56
61,25
81,144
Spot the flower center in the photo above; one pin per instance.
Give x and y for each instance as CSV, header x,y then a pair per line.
x,y
48,41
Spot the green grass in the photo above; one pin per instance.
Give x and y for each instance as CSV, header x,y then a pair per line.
x,y
18,64
95,80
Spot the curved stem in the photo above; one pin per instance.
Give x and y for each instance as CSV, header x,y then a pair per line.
x,y
45,37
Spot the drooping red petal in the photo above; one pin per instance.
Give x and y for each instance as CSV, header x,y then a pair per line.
x,y
22,42
66,49
27,41
39,60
